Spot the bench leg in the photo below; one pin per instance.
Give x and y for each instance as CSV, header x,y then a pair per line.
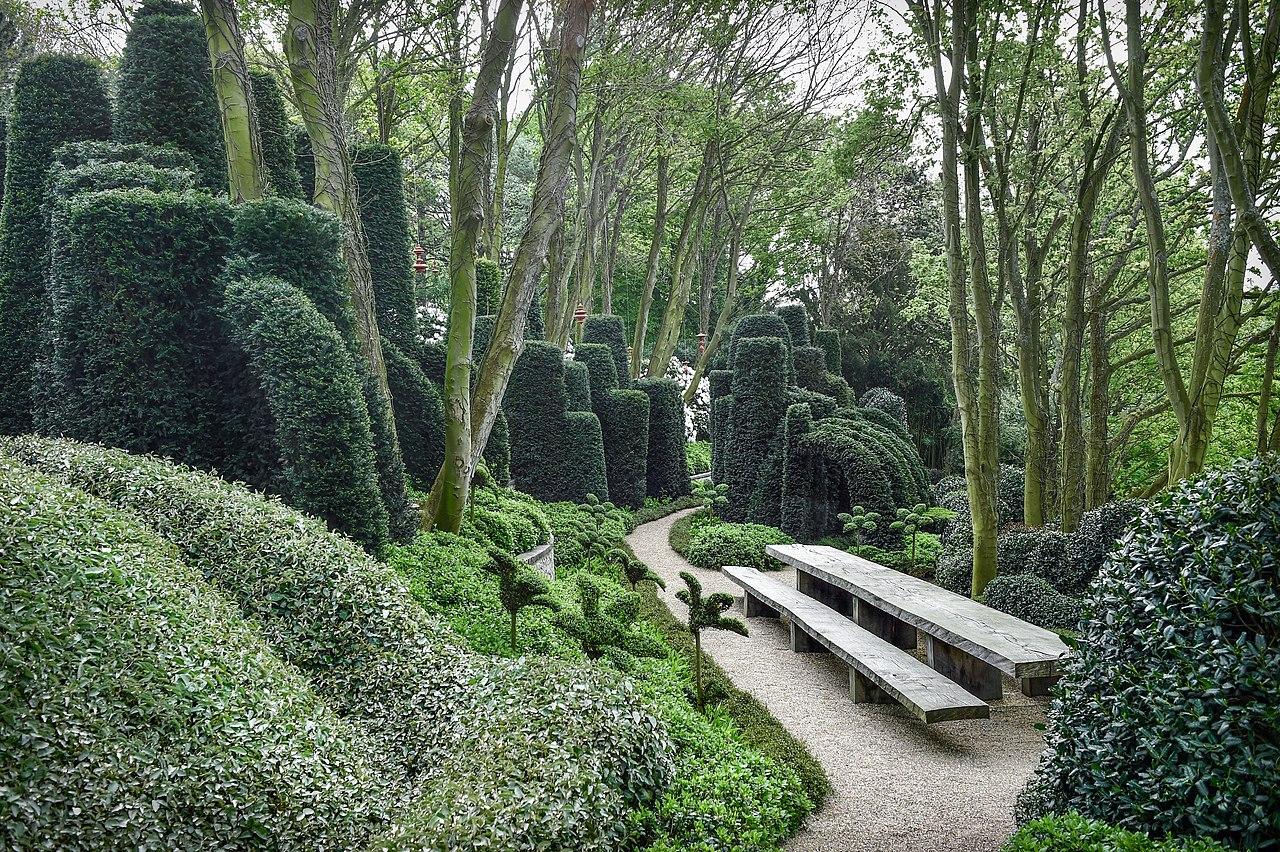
x,y
979,678
803,643
754,607
864,691
825,593
1036,685
892,630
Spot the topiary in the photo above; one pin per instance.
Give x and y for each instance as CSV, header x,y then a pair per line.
x,y
609,331
948,485
755,326
402,516
828,340
757,408
164,90
419,416
384,214
1032,599
519,586
1010,494
56,99
1099,533
140,707
305,159
883,399
319,414
577,380
667,466
278,155
624,424
705,613
1166,719
797,319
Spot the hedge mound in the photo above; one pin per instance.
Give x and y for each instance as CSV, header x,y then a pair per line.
x,y
521,755
141,710
1032,599
1166,720
717,545
55,100
164,91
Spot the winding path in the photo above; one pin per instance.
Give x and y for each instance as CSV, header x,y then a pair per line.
x,y
897,784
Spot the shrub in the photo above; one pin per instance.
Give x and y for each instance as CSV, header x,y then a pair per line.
x,y
757,409
655,510
1166,720
419,416
1032,599
735,544
755,326
497,450
488,287
1074,833
1100,532
1010,494
624,424
55,100
609,331
141,709
317,405
138,341
797,320
276,133
526,754
719,385
402,518
577,380
698,456
949,485
667,467
883,399
384,215
164,90
681,532
828,340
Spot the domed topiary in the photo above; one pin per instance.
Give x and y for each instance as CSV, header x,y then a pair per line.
x,y
1099,533
883,399
1166,719
1030,598
165,92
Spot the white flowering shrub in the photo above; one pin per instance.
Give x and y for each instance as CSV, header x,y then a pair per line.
x,y
697,416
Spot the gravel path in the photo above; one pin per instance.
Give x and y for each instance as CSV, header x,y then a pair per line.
x,y
897,784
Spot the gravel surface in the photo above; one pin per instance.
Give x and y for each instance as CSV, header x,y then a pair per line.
x,y
897,784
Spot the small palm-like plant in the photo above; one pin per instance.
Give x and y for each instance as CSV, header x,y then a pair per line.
x,y
714,497
519,586
857,521
608,626
909,521
705,613
633,569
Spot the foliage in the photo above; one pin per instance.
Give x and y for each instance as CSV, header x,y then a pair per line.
x,y
756,408
705,614
1073,833
55,100
858,521
698,456
319,416
402,517
883,399
585,531
1166,721
712,497
667,468
419,416
828,340
577,381
378,175
797,319
604,622
276,134
624,423
610,331
1100,533
519,586
654,509
718,545
164,89
1031,598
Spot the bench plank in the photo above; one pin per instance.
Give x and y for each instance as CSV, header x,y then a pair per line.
x,y
1013,646
873,662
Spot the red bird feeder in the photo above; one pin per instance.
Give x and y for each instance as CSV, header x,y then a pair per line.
x,y
420,259
580,315
702,343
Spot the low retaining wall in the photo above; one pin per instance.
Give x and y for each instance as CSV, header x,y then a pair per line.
x,y
542,557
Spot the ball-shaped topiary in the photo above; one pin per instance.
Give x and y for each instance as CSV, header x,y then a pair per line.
x,y
883,399
56,99
379,178
276,133
1032,599
1166,720
164,93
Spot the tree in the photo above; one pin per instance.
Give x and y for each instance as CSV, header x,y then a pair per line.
x,y
246,172
519,586
859,520
705,614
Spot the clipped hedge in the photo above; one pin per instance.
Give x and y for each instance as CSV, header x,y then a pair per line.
x,y
317,405
56,99
717,545
1101,531
609,330
828,340
1166,719
758,406
1074,833
667,471
797,319
1032,599
138,343
384,215
624,423
577,382
142,710
720,388
755,326
521,755
305,159
164,90
402,518
883,399
276,134
419,415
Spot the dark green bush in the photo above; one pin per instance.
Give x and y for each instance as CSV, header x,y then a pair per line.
x,y
759,403
379,178
698,456
164,90
419,415
432,358
276,134
720,386
577,380
718,545
1032,599
1100,532
402,519
883,399
667,471
138,343
624,423
306,160
828,340
803,513
142,711
1010,497
317,404
762,325
55,100
1166,719
519,755
1074,833
497,452
488,287
610,331
797,320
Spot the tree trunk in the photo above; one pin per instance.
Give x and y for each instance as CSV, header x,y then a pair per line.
x,y
245,169
651,267
1097,472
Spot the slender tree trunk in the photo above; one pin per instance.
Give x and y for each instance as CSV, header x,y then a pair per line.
x,y
651,267
1268,379
710,263
728,308
1097,472
449,494
245,169
611,253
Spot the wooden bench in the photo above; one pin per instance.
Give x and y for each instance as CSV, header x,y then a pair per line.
x,y
966,641
878,672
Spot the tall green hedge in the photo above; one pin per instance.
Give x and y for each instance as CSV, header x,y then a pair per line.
x,y
379,177
720,384
149,712
803,513
556,454
762,325
577,380
609,330
624,422
164,92
497,452
797,320
321,420
759,404
306,163
276,134
402,518
56,99
138,340
667,471
419,415
828,340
